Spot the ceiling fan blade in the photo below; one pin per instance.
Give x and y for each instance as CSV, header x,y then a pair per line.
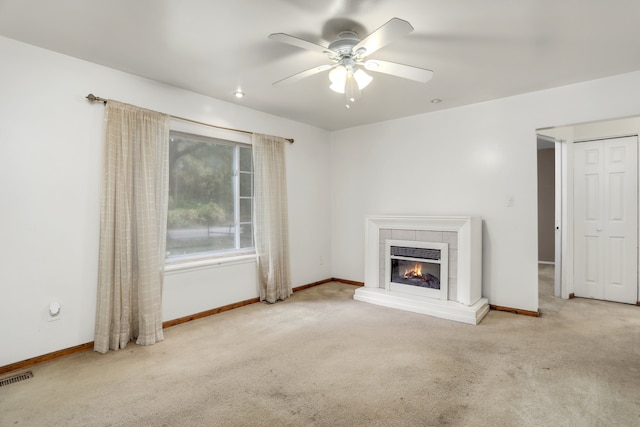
x,y
392,30
303,74
417,74
301,43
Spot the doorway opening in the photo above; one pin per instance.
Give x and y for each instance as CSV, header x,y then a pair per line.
x,y
549,159
565,139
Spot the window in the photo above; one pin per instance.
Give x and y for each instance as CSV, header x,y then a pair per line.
x,y
210,197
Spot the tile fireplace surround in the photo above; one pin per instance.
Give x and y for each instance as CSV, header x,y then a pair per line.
x,y
464,302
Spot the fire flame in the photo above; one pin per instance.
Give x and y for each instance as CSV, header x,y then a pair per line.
x,y
416,271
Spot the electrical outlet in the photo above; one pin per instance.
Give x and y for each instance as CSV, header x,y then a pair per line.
x,y
511,200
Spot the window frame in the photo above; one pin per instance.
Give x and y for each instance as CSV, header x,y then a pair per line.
x,y
238,254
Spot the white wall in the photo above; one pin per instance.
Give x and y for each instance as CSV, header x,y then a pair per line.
x,y
464,161
50,194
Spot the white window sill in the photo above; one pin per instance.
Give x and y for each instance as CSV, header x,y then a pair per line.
x,y
201,264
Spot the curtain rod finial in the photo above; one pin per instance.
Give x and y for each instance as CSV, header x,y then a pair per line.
x,y
91,97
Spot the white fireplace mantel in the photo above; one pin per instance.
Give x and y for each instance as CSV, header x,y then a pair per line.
x,y
468,306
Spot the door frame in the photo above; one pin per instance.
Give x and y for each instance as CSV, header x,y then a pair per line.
x,y
560,181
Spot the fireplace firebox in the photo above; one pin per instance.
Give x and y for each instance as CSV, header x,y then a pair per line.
x,y
418,268
415,273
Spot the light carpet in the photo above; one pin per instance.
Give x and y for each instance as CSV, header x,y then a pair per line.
x,y
322,359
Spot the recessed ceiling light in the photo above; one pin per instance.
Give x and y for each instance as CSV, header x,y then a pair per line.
x,y
436,101
239,94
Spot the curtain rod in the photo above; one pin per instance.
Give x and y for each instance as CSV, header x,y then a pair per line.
x,y
91,97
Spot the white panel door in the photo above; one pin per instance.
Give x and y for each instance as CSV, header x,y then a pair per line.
x,y
606,219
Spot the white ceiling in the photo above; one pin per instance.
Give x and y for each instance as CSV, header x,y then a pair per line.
x,y
478,49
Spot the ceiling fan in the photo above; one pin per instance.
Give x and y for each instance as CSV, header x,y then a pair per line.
x,y
348,54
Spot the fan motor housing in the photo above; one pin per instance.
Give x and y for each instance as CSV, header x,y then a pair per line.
x,y
345,42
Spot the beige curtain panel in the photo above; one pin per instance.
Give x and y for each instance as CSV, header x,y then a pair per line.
x,y
132,227
271,227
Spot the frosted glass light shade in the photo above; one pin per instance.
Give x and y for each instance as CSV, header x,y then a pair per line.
x,y
338,77
363,79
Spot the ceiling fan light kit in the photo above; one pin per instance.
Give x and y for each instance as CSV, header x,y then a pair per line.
x,y
338,77
348,54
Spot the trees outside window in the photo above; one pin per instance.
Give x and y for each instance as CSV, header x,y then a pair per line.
x,y
210,197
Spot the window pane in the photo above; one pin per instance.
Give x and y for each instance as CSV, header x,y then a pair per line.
x,y
201,197
246,179
246,236
245,210
246,159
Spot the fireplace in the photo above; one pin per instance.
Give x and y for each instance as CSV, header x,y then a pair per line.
x,y
425,264
418,268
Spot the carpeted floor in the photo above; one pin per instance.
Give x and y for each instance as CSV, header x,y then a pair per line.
x,y
323,359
